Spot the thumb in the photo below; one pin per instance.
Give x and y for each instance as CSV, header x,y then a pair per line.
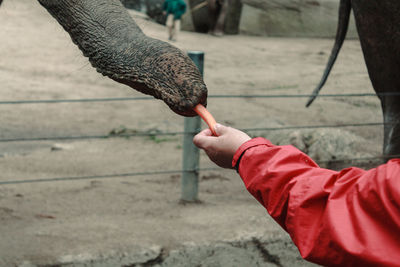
x,y
202,139
220,129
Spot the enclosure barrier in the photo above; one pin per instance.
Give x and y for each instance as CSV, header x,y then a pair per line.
x,y
191,154
190,157
247,130
191,133
55,101
119,175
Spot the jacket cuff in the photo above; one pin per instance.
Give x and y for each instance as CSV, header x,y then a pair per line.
x,y
249,144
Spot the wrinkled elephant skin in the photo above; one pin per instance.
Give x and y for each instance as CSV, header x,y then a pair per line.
x,y
117,48
378,25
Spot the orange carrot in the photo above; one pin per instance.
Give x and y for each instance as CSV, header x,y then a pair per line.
x,y
207,117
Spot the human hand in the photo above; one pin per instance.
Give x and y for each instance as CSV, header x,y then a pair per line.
x,y
221,149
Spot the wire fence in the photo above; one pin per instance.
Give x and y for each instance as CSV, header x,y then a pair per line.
x,y
111,99
144,134
90,177
149,173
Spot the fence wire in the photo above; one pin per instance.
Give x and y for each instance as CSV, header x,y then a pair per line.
x,y
144,134
132,174
91,177
86,100
149,134
82,137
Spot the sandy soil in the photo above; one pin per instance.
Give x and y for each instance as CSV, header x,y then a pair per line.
x,y
114,218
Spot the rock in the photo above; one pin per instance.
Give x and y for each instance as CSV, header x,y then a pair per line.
x,y
59,146
251,252
140,256
324,145
292,18
27,264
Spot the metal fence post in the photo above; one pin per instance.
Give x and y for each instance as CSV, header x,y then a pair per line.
x,y
191,154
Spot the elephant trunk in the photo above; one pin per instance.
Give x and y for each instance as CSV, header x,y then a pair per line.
x,y
117,48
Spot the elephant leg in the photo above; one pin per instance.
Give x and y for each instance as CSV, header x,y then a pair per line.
x,y
378,25
220,25
391,115
213,12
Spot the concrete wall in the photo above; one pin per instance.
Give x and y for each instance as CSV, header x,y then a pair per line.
x,y
292,18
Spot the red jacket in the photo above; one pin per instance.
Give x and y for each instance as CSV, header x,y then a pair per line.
x,y
346,218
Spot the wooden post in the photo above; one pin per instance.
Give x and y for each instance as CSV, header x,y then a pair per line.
x,y
191,154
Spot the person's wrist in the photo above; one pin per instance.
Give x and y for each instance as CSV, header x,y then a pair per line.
x,y
236,162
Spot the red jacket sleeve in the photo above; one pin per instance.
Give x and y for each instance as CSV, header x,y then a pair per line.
x,y
346,218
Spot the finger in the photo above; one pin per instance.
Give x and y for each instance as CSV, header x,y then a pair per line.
x,y
205,132
204,139
221,129
201,139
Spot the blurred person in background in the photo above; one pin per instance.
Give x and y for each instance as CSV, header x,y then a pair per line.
x,y
174,9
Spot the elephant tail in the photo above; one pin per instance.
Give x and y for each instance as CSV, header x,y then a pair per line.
x,y
343,23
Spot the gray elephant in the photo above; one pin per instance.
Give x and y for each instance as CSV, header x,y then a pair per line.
x,y
216,16
378,26
217,10
117,48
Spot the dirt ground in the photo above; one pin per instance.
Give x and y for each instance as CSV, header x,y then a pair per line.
x,y
138,220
